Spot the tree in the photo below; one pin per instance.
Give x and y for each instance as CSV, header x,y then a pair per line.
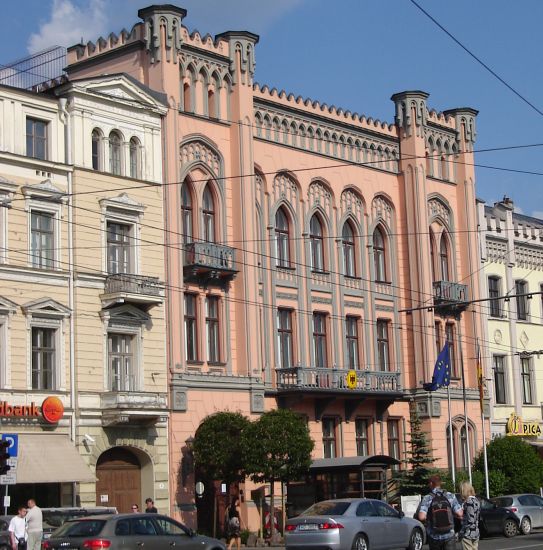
x,y
517,461
277,447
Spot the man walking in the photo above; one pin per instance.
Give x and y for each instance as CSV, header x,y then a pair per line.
x,y
34,525
17,529
438,509
150,506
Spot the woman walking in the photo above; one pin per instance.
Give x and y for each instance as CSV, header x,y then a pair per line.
x,y
469,533
233,524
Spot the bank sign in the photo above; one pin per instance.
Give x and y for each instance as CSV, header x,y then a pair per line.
x,y
51,410
517,427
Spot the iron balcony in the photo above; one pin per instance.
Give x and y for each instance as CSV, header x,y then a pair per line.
x,y
209,262
130,288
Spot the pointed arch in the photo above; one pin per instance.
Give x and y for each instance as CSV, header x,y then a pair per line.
x,y
187,210
283,232
316,242
381,255
209,214
115,152
348,247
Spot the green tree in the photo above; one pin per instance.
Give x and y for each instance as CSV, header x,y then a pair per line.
x,y
520,466
277,447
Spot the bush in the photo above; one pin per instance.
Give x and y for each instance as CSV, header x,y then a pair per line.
x,y
497,483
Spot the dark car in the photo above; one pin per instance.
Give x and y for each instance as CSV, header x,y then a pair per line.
x,y
128,532
5,541
53,518
495,520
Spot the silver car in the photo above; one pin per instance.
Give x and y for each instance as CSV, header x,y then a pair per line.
x,y
128,532
527,507
353,524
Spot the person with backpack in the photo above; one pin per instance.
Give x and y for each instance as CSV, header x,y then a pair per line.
x,y
438,509
469,534
233,524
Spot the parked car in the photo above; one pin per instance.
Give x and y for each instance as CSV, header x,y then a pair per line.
x,y
353,524
128,532
53,518
5,541
527,507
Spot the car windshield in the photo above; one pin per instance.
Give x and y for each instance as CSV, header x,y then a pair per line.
x,y
82,528
54,519
503,501
327,508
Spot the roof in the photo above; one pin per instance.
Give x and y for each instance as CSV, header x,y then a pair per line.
x,y
352,462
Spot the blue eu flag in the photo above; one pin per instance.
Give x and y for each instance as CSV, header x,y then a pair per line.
x,y
442,370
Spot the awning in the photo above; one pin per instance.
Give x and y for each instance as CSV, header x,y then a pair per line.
x,y
50,458
352,462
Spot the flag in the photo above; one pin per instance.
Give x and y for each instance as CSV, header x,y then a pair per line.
x,y
480,378
442,370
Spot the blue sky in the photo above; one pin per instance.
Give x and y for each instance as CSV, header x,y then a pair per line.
x,y
356,54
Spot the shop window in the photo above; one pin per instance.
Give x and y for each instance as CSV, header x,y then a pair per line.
x,y
36,138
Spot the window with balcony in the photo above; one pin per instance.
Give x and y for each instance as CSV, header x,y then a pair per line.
x,y
498,366
316,244
36,138
320,346
494,293
351,335
122,376
393,431
526,376
285,338
115,153
521,290
186,212
42,239
361,434
348,246
329,437
209,235
444,269
96,149
379,256
119,248
191,328
282,238
450,335
134,155
213,329
43,358
383,345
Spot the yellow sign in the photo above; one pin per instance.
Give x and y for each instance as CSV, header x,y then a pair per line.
x,y
516,427
351,379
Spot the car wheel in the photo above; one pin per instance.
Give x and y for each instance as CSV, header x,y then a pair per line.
x,y
360,543
416,540
510,528
525,526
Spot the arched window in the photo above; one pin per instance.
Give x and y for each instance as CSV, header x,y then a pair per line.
x,y
349,257
379,255
209,216
187,97
96,151
444,258
134,158
316,244
282,238
460,444
115,153
432,255
186,212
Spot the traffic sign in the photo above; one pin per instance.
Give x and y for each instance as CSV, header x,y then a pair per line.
x,y
10,478
13,440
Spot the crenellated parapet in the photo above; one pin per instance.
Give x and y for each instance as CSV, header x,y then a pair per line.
x,y
411,111
465,126
242,55
162,29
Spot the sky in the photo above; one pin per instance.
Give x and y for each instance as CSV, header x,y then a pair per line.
x,y
355,54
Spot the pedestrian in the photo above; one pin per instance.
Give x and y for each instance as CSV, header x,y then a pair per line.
x,y
437,510
34,525
135,508
150,506
469,533
17,529
233,524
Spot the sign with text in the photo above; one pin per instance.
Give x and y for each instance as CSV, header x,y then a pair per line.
x,y
519,428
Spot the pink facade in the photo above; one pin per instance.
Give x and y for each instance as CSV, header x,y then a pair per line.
x,y
296,233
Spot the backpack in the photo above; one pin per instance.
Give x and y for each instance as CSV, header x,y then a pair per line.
x,y
440,514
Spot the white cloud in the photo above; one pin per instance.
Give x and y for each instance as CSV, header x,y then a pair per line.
x,y
518,209
68,23
537,214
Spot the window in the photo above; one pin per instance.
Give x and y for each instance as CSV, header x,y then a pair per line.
x,y
96,152
444,258
437,329
329,437
526,375
383,351
451,338
115,153
349,257
379,255
316,244
43,358
499,379
119,248
521,287
121,362
351,335
361,434
209,216
134,158
170,527
432,256
186,213
212,327
463,458
393,431
319,340
282,239
36,138
42,239
191,328
284,338
493,294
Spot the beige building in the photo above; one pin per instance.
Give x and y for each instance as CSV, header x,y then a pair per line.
x,y
82,290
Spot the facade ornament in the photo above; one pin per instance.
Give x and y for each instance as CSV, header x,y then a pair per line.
x,y
411,111
242,55
466,132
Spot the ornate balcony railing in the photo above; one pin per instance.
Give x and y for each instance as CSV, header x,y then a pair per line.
x,y
133,408
209,261
335,380
133,284
447,291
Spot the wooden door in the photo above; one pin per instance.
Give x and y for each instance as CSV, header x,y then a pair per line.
x,y
119,478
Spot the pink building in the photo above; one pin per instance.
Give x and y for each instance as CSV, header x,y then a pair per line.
x,y
296,233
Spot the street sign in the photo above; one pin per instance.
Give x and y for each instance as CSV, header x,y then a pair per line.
x,y
11,477
13,440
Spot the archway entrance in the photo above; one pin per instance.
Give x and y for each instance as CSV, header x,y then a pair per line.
x,y
119,479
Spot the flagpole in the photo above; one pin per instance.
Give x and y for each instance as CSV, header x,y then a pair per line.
x,y
466,423
480,382
485,458
451,440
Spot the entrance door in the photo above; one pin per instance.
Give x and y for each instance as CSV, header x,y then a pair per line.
x,y
119,479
